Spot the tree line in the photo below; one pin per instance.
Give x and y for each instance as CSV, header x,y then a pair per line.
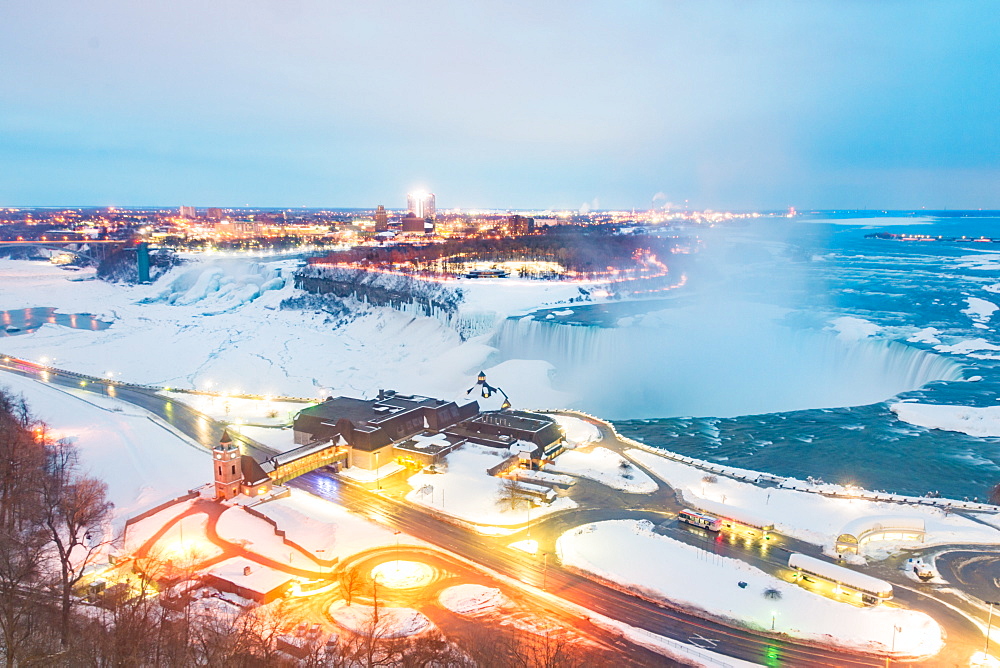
x,y
578,249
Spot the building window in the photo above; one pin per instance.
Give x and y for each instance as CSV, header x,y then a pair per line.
x,y
220,470
234,469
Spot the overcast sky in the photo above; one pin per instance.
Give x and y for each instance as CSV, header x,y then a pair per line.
x,y
507,104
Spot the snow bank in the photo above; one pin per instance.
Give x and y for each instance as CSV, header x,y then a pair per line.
x,y
392,622
629,553
605,467
325,528
578,432
965,419
811,517
266,412
467,492
472,599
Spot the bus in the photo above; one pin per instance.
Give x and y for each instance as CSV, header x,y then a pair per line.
x,y
703,520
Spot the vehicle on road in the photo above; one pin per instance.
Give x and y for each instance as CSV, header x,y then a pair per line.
x,y
703,520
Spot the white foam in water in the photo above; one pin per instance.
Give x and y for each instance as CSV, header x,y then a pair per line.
x,y
725,361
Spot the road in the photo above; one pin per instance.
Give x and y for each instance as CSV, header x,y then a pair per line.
x,y
542,572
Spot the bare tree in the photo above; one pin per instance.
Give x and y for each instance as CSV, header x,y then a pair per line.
x,y
351,581
512,494
23,539
75,510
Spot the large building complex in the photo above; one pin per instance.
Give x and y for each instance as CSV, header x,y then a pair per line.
x,y
367,434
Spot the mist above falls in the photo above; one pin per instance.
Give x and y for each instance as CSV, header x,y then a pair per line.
x,y
725,360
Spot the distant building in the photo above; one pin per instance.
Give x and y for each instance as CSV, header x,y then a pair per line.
x,y
371,427
214,213
188,212
381,219
421,204
519,225
415,225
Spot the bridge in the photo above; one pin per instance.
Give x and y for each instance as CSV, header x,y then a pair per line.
x,y
89,256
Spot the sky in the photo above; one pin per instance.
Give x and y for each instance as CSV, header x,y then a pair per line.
x,y
509,104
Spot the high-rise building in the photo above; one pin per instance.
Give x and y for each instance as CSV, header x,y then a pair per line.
x,y
421,204
381,219
187,212
214,213
519,225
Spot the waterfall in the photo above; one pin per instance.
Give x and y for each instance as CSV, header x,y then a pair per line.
x,y
719,366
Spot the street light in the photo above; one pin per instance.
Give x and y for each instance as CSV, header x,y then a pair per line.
x,y
989,626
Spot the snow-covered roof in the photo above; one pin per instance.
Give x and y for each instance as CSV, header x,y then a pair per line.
x,y
840,575
262,579
863,525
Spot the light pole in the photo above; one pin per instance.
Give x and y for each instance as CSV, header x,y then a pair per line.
x,y
989,626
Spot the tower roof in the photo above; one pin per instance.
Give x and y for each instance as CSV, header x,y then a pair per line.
x,y
226,442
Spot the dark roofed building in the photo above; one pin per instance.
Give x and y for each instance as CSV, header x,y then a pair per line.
x,y
500,429
370,427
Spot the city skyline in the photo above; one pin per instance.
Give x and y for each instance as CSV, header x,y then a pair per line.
x,y
523,106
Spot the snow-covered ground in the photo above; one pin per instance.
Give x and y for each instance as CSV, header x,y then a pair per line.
x,y
325,528
472,599
630,553
261,412
278,439
215,324
812,517
143,462
578,432
467,492
238,526
983,422
607,468
391,622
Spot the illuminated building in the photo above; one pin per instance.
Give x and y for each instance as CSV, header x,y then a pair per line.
x,y
214,213
415,224
188,212
381,219
519,225
421,204
235,473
